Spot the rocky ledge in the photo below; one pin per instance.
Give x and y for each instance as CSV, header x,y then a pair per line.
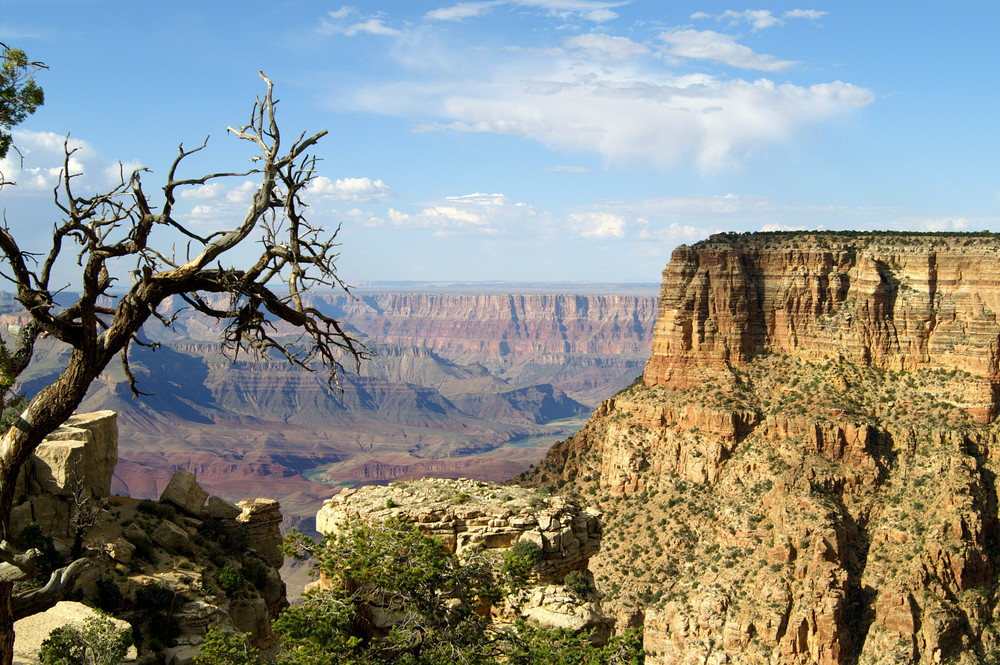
x,y
171,568
473,516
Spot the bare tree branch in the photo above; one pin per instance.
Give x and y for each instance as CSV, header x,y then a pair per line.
x,y
262,303
60,583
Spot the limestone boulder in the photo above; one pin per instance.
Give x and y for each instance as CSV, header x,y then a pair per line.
x,y
120,550
553,607
172,537
184,492
80,454
220,509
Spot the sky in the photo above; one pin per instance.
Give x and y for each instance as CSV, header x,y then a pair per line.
x,y
529,140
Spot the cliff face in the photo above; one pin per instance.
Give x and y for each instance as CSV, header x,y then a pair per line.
x,y
895,302
502,325
807,472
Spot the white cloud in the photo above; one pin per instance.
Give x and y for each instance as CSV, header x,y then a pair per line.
x,y
607,47
771,228
591,10
372,26
484,215
811,14
597,225
568,169
943,224
343,12
44,160
114,173
625,115
758,18
242,193
219,193
461,11
602,93
595,11
710,45
212,190
358,190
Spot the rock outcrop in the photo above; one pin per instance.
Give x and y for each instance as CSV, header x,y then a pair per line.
x,y
470,516
75,462
172,567
806,474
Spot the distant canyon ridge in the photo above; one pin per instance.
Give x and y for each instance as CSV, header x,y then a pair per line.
x,y
465,380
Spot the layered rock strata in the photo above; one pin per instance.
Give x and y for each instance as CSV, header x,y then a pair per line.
x,y
893,301
807,472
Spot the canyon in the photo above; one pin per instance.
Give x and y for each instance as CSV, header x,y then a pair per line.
x,y
463,380
806,471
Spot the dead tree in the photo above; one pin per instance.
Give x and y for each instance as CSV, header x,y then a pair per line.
x,y
260,301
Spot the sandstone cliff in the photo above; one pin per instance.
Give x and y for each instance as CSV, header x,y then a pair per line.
x,y
806,474
890,301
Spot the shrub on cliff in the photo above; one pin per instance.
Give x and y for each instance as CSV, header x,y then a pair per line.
x,y
98,642
392,594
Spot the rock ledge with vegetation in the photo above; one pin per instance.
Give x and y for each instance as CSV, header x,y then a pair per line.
x,y
471,516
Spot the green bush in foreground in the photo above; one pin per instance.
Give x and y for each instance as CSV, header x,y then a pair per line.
x,y
99,642
221,648
394,595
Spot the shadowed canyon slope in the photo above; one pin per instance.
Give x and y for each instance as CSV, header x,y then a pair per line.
x,y
807,472
460,384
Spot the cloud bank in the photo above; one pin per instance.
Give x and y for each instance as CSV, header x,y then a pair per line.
x,y
679,95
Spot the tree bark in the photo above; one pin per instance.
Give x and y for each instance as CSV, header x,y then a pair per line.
x,y
6,622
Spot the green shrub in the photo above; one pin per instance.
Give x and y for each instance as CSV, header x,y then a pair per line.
x,y
255,572
63,646
162,510
230,580
32,537
226,649
156,605
143,546
109,596
579,585
520,560
99,642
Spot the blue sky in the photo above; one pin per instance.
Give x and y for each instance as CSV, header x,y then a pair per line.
x,y
533,139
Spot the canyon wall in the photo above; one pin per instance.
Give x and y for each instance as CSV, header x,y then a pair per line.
x,y
498,325
807,472
895,302
460,383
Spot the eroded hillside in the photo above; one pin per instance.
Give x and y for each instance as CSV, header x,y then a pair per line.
x,y
807,472
459,384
